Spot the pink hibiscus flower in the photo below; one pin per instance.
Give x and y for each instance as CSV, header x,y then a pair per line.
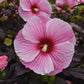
x,y
81,1
3,62
30,8
45,48
69,3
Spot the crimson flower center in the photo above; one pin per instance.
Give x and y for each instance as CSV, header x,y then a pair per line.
x,y
35,9
46,45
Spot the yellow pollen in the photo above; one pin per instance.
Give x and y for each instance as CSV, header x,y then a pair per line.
x,y
44,49
36,9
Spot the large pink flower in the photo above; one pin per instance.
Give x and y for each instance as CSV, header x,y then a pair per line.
x,y
30,8
81,1
46,48
70,3
3,62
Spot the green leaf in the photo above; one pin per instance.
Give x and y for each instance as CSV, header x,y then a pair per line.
x,y
52,1
18,58
48,79
3,74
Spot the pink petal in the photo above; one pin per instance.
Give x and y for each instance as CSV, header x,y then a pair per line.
x,y
26,15
58,8
73,40
44,17
68,82
81,1
42,64
3,62
25,4
33,2
60,30
45,6
71,3
62,56
25,50
34,30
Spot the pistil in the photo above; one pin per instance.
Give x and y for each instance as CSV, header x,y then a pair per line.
x,y
36,10
45,47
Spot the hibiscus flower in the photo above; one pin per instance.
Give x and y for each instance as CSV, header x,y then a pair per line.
x,y
30,8
81,1
65,5
45,48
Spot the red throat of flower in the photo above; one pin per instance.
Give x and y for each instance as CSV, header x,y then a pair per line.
x,y
35,9
46,45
